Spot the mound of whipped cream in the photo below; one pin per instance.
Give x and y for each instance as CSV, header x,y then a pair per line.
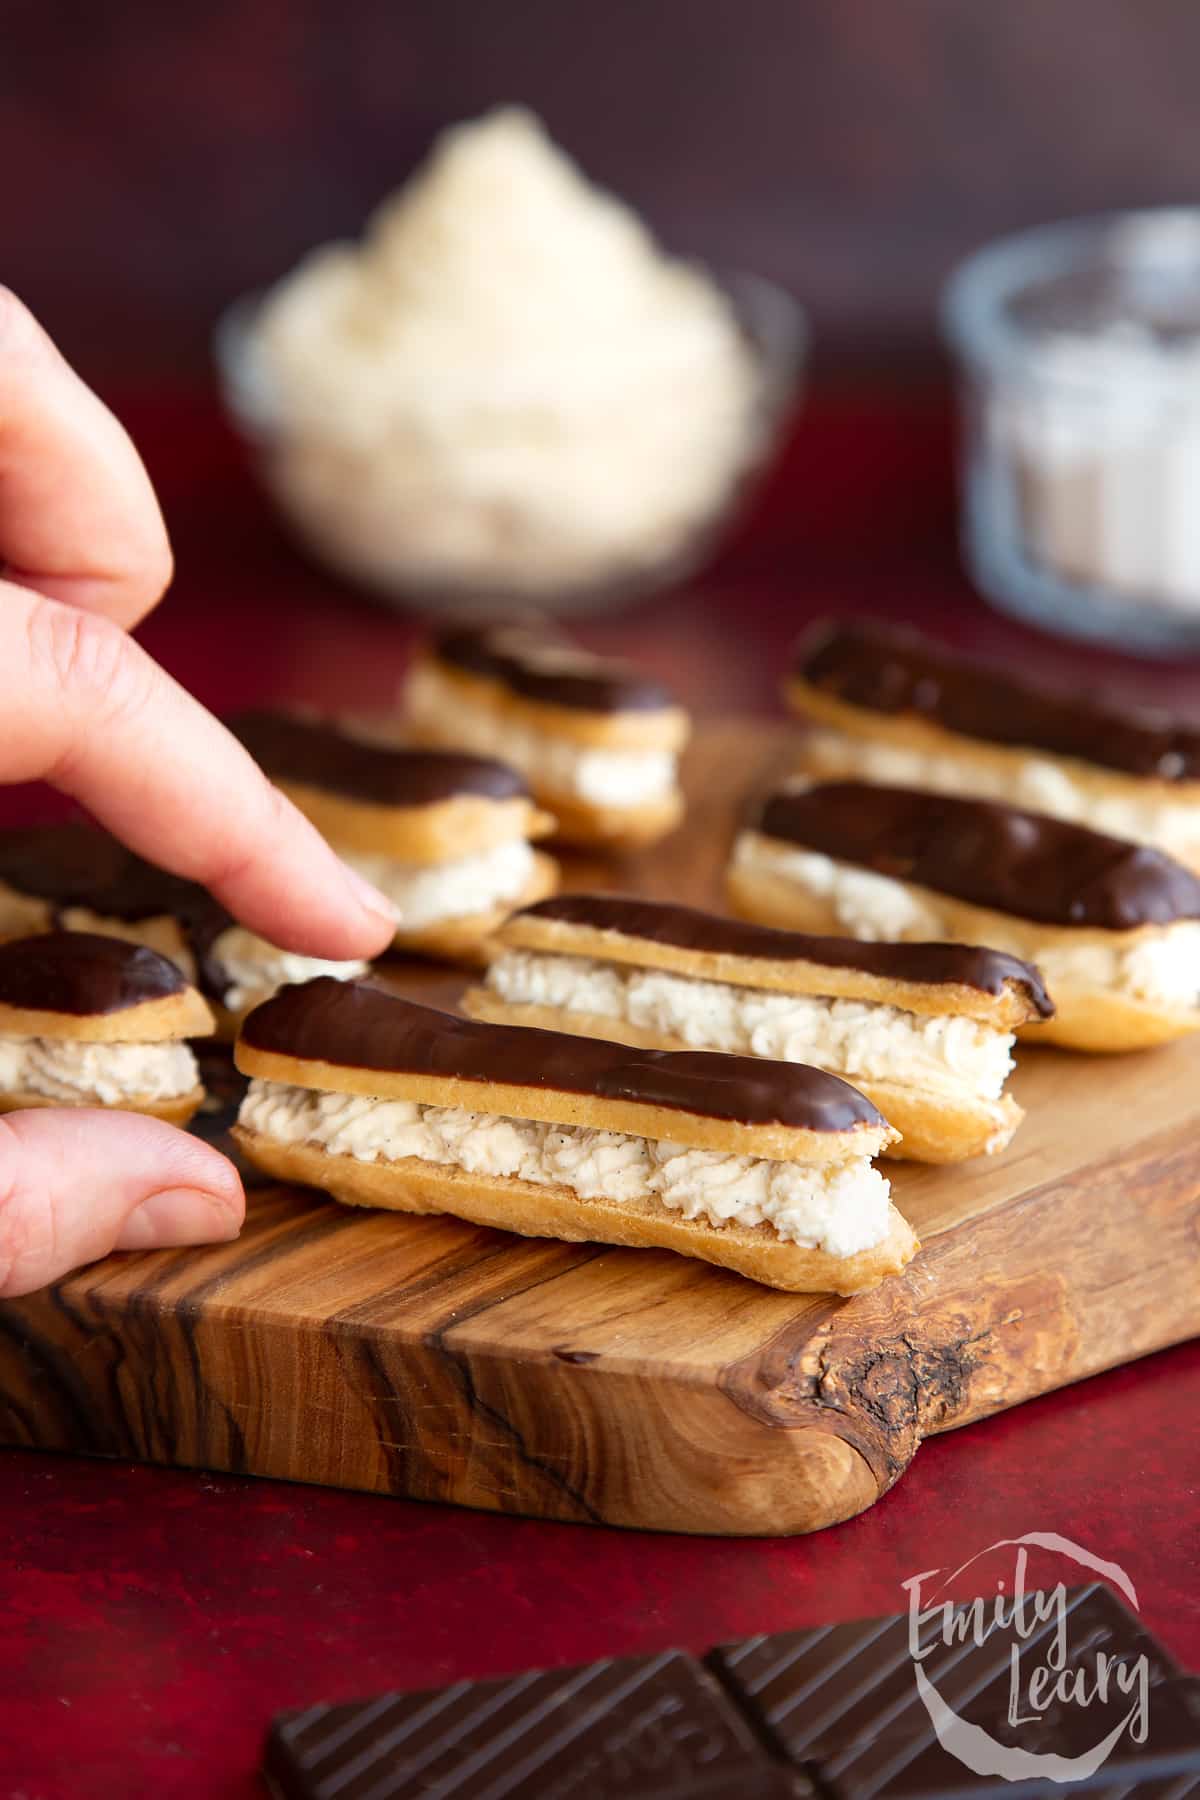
x,y
505,384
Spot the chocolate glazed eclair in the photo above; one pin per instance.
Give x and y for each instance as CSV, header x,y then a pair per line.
x,y
76,878
924,1030
761,1167
444,834
598,741
87,1020
887,705
1113,927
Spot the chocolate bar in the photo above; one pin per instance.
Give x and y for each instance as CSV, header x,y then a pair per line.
x,y
655,1728
833,1711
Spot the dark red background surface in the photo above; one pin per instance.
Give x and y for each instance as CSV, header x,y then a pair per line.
x,y
161,158
151,1621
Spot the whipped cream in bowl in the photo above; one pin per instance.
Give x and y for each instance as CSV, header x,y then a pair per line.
x,y
505,388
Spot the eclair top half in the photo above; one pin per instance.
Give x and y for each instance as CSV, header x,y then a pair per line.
x,y
82,985
931,978
355,1037
1026,864
73,868
421,805
864,674
556,684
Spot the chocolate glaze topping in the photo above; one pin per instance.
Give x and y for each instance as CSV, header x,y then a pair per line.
x,y
320,756
990,855
80,972
533,658
687,928
364,1027
76,865
888,669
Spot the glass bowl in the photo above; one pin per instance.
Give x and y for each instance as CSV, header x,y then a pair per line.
x,y
1079,355
343,507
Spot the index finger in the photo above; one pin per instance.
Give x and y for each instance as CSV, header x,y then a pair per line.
x,y
78,518
83,707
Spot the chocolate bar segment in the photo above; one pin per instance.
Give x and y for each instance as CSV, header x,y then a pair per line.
x,y
653,1729
363,1027
889,669
833,1711
988,854
537,661
687,928
80,972
319,755
842,1701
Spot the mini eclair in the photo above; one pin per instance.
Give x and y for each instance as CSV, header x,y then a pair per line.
x,y
597,740
760,1167
1113,927
923,1030
75,878
887,705
92,1021
443,834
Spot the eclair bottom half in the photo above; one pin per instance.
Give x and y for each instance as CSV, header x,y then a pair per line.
x,y
382,1102
531,1209
934,1127
1090,973
179,1109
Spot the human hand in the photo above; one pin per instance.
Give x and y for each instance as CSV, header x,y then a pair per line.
x,y
83,557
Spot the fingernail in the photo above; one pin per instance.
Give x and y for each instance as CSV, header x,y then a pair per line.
x,y
369,896
177,1216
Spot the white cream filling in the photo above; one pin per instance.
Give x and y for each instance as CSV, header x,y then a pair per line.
x,y
1159,966
869,906
505,383
255,968
841,1208
107,1074
425,894
1036,782
852,1038
1162,969
598,776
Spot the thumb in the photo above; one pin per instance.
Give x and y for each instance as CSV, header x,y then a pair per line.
x,y
77,1182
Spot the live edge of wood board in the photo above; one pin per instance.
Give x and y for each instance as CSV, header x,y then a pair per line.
x,y
429,1358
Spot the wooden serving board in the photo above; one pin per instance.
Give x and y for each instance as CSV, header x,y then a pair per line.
x,y
431,1358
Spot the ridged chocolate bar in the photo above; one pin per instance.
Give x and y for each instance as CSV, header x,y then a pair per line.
x,y
687,928
889,669
833,1711
653,1729
841,1701
319,755
539,662
355,1025
990,855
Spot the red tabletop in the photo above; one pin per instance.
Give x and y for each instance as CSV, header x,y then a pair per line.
x,y
153,1620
